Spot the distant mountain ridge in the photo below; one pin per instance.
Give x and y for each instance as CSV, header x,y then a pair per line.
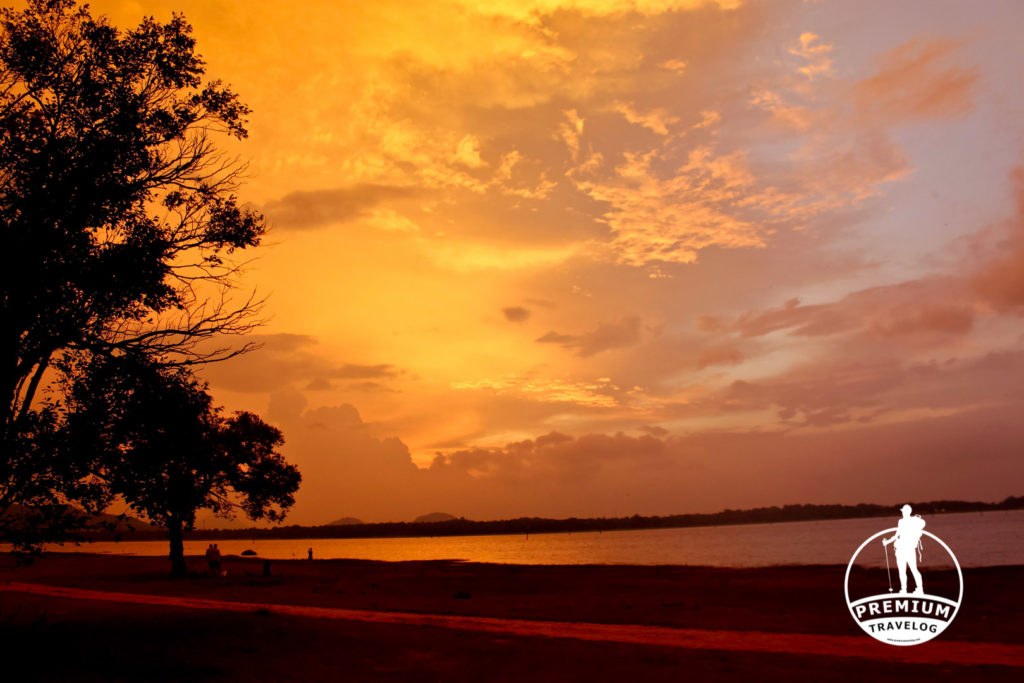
x,y
345,521
434,517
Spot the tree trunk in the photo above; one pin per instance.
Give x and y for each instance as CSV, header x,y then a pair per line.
x,y
178,568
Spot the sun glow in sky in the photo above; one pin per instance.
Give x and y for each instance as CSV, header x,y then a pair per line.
x,y
605,258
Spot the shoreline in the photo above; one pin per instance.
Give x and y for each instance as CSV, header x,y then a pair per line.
x,y
799,543
197,559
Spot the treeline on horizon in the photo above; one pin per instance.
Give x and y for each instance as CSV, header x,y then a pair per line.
x,y
541,525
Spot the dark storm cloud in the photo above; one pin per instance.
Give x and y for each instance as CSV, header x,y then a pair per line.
x,y
602,338
516,314
306,210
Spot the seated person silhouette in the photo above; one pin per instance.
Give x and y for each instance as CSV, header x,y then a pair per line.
x,y
906,540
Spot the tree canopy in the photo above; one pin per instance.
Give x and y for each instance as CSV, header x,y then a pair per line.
x,y
118,214
150,435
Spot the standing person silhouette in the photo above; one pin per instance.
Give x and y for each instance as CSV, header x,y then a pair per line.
x,y
215,560
906,541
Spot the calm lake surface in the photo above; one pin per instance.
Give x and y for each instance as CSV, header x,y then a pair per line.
x,y
979,539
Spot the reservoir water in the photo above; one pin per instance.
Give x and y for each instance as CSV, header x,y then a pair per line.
x,y
978,539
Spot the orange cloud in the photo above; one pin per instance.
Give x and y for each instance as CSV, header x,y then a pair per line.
x,y
718,356
283,359
671,219
917,80
926,306
1000,281
602,338
657,120
599,393
815,54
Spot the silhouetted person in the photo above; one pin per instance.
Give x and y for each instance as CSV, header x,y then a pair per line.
x,y
309,554
210,561
266,567
215,561
906,541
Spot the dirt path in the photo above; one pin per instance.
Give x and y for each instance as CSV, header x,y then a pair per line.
x,y
949,651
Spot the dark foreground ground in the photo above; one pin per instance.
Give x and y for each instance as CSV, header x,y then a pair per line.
x,y
47,638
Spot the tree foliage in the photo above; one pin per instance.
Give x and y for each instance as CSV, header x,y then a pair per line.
x,y
150,435
118,213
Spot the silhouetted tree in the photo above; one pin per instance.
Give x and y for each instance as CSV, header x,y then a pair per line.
x,y
151,436
117,213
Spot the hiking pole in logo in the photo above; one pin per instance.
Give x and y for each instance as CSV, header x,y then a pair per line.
x,y
888,572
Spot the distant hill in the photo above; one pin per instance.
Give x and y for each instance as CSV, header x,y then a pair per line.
x,y
345,521
434,517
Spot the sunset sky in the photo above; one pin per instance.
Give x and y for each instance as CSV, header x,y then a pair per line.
x,y
604,258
